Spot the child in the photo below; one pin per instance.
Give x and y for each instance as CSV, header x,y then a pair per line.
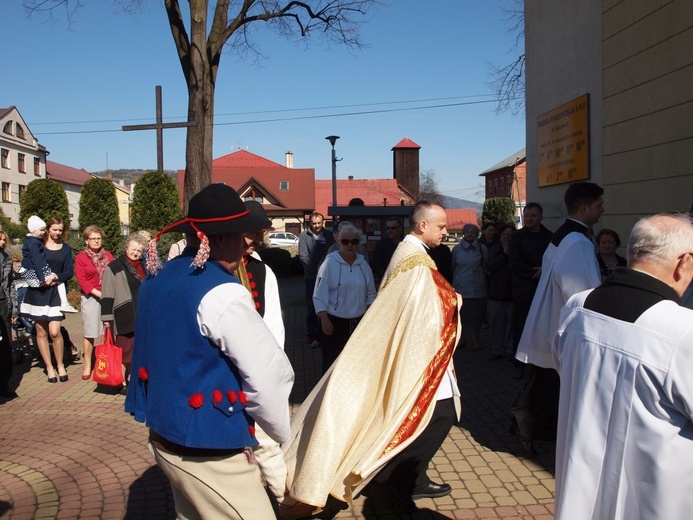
x,y
35,269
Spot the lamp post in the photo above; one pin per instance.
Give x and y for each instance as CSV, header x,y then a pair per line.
x,y
333,139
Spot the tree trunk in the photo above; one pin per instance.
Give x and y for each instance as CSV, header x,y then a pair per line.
x,y
198,146
201,77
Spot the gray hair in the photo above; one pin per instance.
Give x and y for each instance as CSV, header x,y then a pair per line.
x,y
660,238
348,227
136,237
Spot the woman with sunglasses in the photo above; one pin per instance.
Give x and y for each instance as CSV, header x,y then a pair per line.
x,y
344,290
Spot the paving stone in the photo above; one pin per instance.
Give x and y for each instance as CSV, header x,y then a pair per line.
x,y
94,462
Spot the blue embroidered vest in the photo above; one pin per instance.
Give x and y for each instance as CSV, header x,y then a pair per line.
x,y
182,386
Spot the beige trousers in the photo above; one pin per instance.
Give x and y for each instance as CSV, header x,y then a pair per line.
x,y
215,487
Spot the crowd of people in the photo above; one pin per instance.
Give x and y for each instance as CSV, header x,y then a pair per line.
x,y
603,350
33,296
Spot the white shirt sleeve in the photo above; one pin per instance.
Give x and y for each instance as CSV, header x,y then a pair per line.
x,y
370,283
226,315
321,293
273,309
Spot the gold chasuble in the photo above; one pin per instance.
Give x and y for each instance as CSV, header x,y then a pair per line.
x,y
380,393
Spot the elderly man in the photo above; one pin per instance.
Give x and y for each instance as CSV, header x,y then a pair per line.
x,y
313,244
624,352
390,399
206,368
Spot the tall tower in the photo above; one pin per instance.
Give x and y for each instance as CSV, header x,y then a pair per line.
x,y
405,165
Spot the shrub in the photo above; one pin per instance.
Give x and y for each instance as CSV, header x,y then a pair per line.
x,y
499,210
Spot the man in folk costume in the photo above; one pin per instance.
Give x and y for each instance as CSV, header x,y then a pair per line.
x,y
261,282
205,366
569,265
624,352
391,397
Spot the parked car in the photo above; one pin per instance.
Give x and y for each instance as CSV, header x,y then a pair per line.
x,y
450,239
282,239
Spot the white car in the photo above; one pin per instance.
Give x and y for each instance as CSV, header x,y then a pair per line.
x,y
282,239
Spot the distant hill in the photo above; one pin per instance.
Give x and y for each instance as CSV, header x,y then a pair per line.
x,y
455,203
130,176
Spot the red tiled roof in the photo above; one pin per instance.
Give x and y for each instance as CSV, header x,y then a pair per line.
x,y
371,191
237,168
406,143
67,174
457,218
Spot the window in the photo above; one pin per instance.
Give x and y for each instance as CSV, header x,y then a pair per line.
x,y
6,192
5,158
20,131
37,166
21,162
7,129
283,185
21,191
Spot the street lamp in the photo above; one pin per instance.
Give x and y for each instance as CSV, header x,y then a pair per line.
x,y
333,139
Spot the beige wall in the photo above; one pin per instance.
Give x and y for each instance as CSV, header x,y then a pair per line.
x,y
648,108
635,59
563,48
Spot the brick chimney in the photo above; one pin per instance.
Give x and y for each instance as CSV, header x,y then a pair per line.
x,y
405,165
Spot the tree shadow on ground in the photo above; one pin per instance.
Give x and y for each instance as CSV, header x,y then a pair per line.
x,y
150,497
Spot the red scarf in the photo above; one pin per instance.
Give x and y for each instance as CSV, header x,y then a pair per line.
x,y
100,261
137,265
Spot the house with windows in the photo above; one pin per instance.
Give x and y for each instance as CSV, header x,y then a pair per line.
x,y
71,179
508,178
22,159
287,193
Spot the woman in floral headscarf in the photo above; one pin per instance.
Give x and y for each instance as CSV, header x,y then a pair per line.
x,y
90,265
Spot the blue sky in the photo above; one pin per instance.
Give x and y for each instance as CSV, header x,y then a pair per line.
x,y
99,74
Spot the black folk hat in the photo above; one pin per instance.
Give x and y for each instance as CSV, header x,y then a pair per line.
x,y
214,210
218,210
258,210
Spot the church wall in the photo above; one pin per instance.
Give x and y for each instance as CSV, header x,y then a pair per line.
x,y
648,107
563,48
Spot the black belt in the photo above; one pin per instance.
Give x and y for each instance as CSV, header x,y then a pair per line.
x,y
186,451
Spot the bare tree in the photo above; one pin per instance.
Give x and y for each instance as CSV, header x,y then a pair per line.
x,y
508,81
428,187
200,43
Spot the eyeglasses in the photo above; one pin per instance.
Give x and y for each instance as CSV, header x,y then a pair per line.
x,y
392,228
96,239
353,241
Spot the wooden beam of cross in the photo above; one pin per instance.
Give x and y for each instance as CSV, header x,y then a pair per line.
x,y
159,126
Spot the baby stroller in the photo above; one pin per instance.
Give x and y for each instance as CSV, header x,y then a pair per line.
x,y
25,330
24,348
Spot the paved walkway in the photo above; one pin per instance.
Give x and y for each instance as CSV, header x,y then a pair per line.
x,y
69,451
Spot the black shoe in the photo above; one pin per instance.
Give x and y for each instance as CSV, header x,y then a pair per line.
x,y
6,393
431,490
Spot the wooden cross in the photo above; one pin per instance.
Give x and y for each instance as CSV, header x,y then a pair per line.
x,y
159,127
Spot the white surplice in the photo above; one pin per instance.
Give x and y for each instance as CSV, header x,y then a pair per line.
x,y
625,437
566,269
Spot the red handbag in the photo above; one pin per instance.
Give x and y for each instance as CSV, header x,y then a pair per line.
x,y
108,369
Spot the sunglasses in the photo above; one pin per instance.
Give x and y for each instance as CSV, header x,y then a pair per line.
x,y
353,241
